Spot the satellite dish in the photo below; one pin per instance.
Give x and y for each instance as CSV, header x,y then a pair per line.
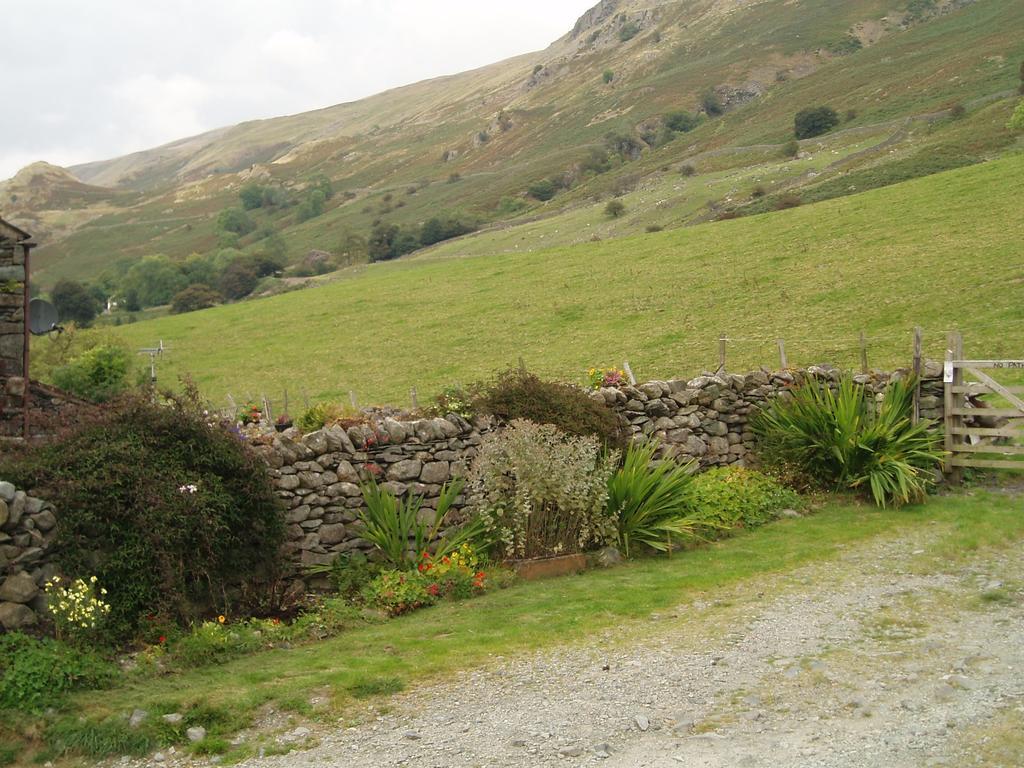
x,y
42,317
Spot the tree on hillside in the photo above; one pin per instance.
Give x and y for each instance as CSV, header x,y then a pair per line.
x,y
251,196
615,208
74,302
195,297
814,121
312,206
153,281
199,270
236,221
238,279
321,182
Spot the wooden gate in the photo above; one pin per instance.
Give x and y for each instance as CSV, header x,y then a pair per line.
x,y
986,434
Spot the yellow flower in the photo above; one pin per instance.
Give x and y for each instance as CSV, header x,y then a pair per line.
x,y
221,619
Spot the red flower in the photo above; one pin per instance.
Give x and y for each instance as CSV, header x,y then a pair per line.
x,y
161,640
434,590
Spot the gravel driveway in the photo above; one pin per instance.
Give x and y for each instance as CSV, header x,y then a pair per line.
x,y
884,657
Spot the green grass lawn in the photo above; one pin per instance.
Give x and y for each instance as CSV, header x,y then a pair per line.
x,y
941,252
433,643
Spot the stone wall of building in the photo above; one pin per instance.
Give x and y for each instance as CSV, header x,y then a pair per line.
x,y
13,395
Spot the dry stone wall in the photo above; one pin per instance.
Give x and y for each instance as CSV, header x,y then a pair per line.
x,y
27,530
705,419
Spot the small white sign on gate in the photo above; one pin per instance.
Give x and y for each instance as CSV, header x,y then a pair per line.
x,y
947,372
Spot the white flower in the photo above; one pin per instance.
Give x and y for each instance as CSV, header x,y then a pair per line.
x,y
190,488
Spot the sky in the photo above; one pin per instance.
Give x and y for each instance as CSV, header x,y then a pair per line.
x,y
99,79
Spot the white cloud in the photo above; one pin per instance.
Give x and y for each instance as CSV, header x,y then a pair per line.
x,y
119,75
156,110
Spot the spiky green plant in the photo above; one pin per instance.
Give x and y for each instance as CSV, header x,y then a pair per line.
x,y
650,502
845,440
398,530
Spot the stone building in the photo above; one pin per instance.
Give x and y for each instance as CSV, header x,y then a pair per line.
x,y
14,263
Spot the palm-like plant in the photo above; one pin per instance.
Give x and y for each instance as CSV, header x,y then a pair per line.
x,y
396,527
650,502
844,439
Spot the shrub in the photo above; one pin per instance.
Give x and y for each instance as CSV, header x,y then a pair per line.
x,y
542,492
509,206
615,209
238,279
711,103
607,76
845,45
251,196
37,673
788,200
844,440
236,221
436,229
628,31
542,190
403,531
518,394
195,297
77,607
735,497
1017,119
649,502
348,572
957,111
687,170
99,374
653,228
397,592
453,399
791,148
312,206
814,121
319,416
169,511
756,192
681,122
456,575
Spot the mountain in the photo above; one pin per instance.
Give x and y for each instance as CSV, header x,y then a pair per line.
x,y
920,86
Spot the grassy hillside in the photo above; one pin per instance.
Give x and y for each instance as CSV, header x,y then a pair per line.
x,y
941,252
765,59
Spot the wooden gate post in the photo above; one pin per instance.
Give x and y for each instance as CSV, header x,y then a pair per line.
x,y
952,377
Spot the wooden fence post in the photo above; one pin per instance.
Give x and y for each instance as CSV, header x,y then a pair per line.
x,y
352,399
721,353
863,353
629,373
415,400
916,416
782,355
